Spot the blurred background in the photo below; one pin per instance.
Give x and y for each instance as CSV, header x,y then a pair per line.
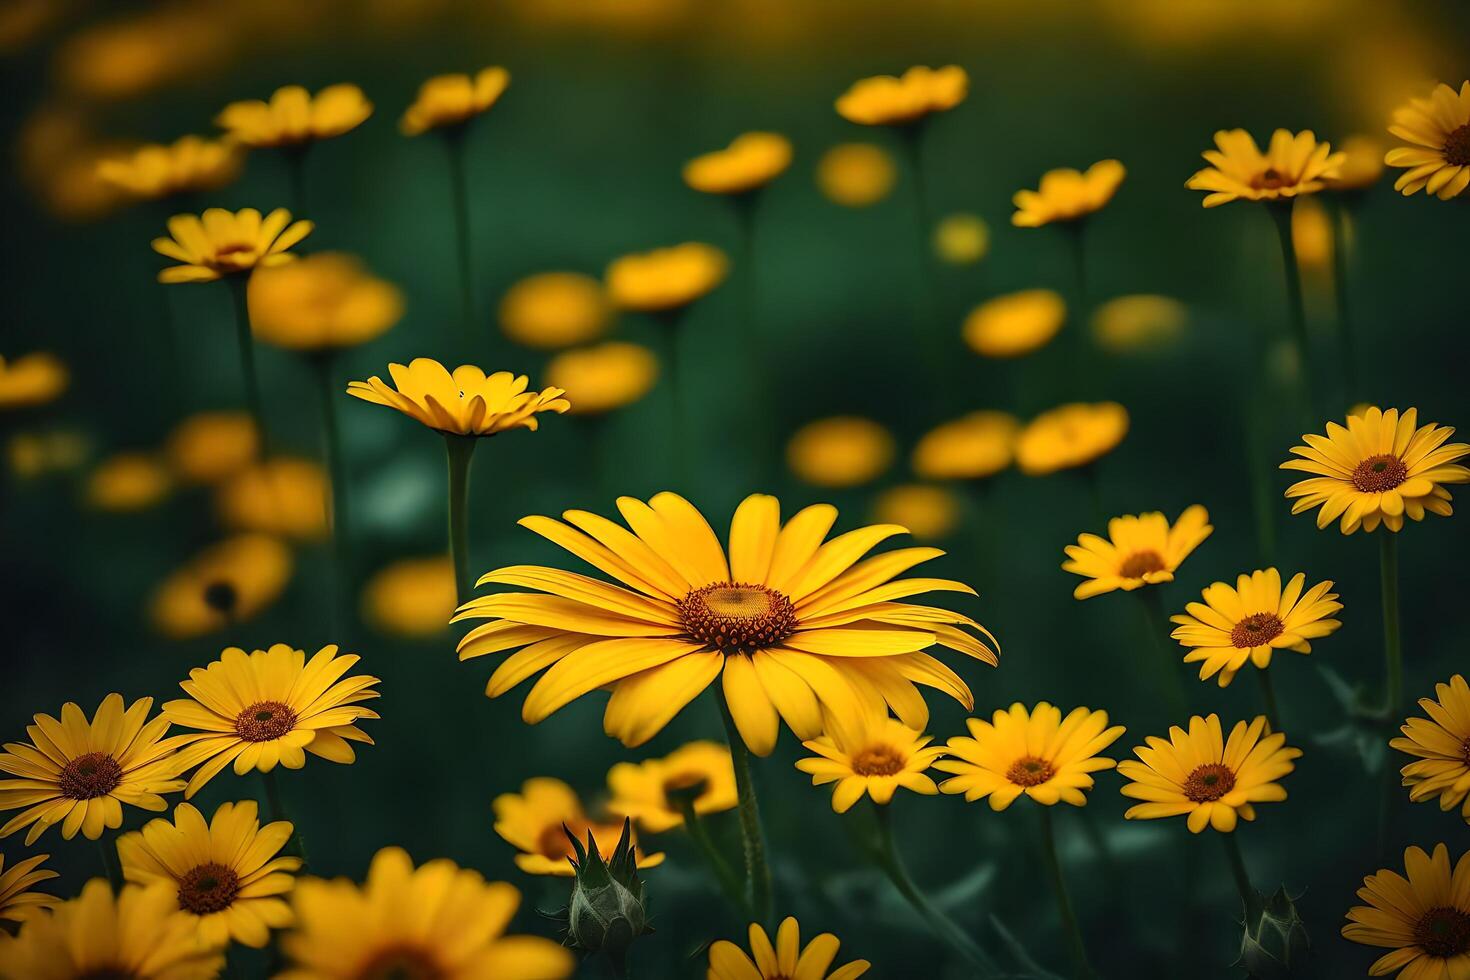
x,y
579,163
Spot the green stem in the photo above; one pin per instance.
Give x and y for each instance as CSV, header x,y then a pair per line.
x,y
1263,501
296,165
1076,232
1153,613
729,882
1248,895
668,324
277,811
240,291
757,872
1342,261
111,866
459,450
1078,947
1268,698
459,189
1295,307
1393,651
927,330
337,471
1094,494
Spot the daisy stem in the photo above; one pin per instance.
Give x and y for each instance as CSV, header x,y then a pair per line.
x,y
1076,232
337,470
278,812
1393,650
1268,698
1295,308
459,449
757,872
669,333
296,167
1248,894
1153,614
1342,260
724,874
459,189
926,306
110,865
240,291
1064,901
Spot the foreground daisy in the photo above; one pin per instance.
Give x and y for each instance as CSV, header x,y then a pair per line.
x,y
1140,550
1068,195
750,162
1423,916
17,901
226,874
536,822
787,959
1439,127
186,166
1441,745
884,100
657,793
223,243
1293,164
1070,436
228,583
874,757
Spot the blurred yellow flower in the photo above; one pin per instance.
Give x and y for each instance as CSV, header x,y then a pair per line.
x,y
1423,919
1070,435
36,454
283,496
872,756
450,100
961,239
1140,321
1015,324
884,100
326,301
1362,164
187,166
128,482
412,597
972,447
1439,127
17,901
603,378
127,56
781,960
645,791
532,822
841,451
293,116
223,243
750,162
1293,164
33,379
1311,235
856,175
1068,195
1438,743
554,309
929,513
1139,550
468,402
208,446
665,279
224,585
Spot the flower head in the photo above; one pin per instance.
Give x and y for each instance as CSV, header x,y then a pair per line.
x,y
856,175
973,447
223,243
605,377
1422,916
1139,550
929,513
1037,752
1244,624
1440,744
324,302
1292,165
1069,436
1138,322
228,583
1381,468
647,791
961,239
1201,774
872,756
34,379
285,496
785,959
17,901
130,481
884,100
411,597
468,402
1015,324
186,166
208,446
665,279
750,162
451,100
841,451
549,310
1362,164
1438,162
294,117
1068,195
537,820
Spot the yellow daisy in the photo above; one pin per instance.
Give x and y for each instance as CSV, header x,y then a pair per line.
x,y
1069,436
961,239
791,625
603,378
411,597
1200,773
873,756
1015,324
665,279
701,770
928,513
267,707
1380,469
187,166
468,402
974,447
1038,752
283,496
1291,166
293,116
228,583
750,162
1422,916
1362,164
34,379
532,822
841,451
17,901
129,481
1139,550
1439,127
549,310
446,101
884,100
324,302
785,960
1139,322
1244,624
209,446
438,920
226,874
1441,745
1068,195
856,175
79,773
224,243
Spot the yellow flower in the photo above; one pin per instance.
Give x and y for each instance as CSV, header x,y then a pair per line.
x,y
34,379
929,513
841,451
283,496
1439,127
128,482
1291,166
138,934
226,876
209,446
1422,916
961,239
790,625
1015,324
1138,322
873,756
554,309
439,920
786,960
1362,164
452,100
223,243
1038,752
36,454
665,279
17,901
884,100
412,597
468,403
1069,436
856,175
973,447
700,770
1245,624
1380,469
187,166
294,116
603,378
323,302
1068,195
531,821
750,162
127,56
270,706
1200,773
79,773
1441,745
1139,550
224,585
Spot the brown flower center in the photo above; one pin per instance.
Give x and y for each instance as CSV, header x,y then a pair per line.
x,y
690,782
1444,932
1270,179
1140,563
1465,750
401,963
878,760
1256,630
108,973
265,720
1030,771
1457,147
89,776
208,888
1378,473
1209,782
734,616
222,597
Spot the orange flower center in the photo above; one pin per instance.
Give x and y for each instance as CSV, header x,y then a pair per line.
x,y
208,888
265,720
878,760
1256,630
1378,473
401,963
1457,147
1443,932
222,597
1140,563
736,617
1209,782
1270,179
1030,770
89,776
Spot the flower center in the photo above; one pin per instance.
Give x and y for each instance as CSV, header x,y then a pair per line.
x,y
1256,630
221,597
878,760
1457,147
1443,932
1140,563
401,963
1465,750
689,783
89,776
1030,771
734,616
265,720
1209,782
1378,473
208,888
108,973
1270,179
